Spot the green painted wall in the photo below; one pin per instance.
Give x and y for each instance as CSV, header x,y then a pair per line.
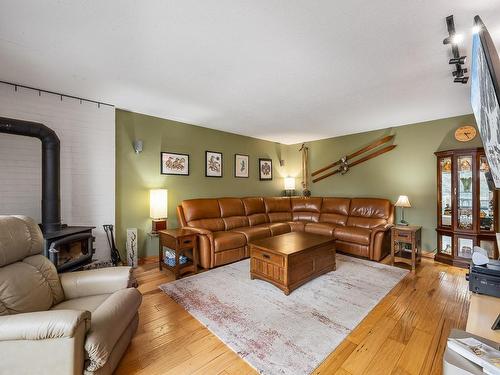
x,y
137,173
409,169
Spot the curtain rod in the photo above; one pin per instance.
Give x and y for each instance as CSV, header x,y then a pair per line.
x,y
16,85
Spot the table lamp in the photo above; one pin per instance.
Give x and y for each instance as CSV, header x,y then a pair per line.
x,y
289,185
158,209
403,202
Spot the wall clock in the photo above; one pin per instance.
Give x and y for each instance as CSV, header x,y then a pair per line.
x,y
465,133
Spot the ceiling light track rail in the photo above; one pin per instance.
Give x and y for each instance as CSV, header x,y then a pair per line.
x,y
40,91
454,39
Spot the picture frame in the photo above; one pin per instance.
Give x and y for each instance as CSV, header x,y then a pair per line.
x,y
173,163
265,169
214,164
241,165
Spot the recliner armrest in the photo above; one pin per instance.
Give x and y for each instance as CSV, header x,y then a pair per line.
x,y
94,282
41,325
381,228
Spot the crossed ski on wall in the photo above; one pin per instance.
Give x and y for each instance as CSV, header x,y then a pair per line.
x,y
345,163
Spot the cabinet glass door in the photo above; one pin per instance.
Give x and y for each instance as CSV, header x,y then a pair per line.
x,y
486,200
465,192
464,247
446,245
446,210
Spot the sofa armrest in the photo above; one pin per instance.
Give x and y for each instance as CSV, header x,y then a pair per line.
x,y
94,282
381,228
41,325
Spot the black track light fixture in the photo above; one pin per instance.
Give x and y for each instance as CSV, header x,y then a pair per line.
x,y
461,80
461,60
454,39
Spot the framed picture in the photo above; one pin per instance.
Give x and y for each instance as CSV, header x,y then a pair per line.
x,y
265,169
240,165
213,164
174,164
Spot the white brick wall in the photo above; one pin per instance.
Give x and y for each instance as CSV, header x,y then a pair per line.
x,y
87,135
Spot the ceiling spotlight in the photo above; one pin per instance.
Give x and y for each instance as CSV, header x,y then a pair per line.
x,y
457,38
458,60
459,73
461,80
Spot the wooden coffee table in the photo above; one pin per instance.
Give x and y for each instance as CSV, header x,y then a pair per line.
x,y
292,259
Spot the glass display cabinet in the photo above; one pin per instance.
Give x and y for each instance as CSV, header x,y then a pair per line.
x,y
467,206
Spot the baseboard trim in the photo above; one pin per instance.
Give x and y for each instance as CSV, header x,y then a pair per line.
x,y
148,260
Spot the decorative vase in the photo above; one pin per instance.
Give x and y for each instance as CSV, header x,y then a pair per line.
x,y
466,183
132,247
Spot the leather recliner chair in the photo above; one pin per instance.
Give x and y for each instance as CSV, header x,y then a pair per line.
x,y
72,323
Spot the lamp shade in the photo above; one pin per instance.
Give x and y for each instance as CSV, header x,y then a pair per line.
x,y
403,201
158,203
289,183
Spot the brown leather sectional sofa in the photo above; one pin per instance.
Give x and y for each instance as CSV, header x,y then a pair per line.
x,y
226,225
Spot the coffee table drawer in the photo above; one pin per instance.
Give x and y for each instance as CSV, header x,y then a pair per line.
x,y
267,257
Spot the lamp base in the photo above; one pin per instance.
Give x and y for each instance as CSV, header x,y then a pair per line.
x,y
403,223
157,225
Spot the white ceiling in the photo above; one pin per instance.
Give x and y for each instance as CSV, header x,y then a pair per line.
x,y
283,70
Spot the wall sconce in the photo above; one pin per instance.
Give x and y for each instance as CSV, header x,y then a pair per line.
x,y
289,185
158,209
138,145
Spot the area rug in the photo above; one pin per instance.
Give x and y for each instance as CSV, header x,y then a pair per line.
x,y
279,334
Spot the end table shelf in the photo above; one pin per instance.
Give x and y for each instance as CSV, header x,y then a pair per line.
x,y
411,235
182,242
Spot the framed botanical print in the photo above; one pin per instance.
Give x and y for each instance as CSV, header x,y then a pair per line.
x,y
213,164
174,164
265,169
241,165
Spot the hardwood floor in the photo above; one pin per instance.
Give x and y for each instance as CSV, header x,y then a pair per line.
x,y
404,334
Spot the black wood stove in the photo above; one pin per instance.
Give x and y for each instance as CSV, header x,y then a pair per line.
x,y
68,247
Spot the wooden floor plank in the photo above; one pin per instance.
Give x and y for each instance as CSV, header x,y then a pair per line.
x,y
404,334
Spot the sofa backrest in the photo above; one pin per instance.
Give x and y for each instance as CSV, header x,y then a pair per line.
x,y
255,210
278,209
306,209
335,210
369,212
203,213
229,213
233,213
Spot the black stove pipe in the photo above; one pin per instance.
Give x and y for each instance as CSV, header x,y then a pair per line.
x,y
51,192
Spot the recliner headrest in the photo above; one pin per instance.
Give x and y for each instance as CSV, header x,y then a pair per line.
x,y
20,237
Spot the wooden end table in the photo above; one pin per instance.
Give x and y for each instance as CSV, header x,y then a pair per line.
x,y
182,242
412,235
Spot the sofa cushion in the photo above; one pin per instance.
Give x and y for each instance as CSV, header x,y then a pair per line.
x,y
257,219
297,226
335,210
228,240
305,209
235,222
254,233
324,229
278,228
369,212
203,213
278,209
90,303
254,205
353,234
231,207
